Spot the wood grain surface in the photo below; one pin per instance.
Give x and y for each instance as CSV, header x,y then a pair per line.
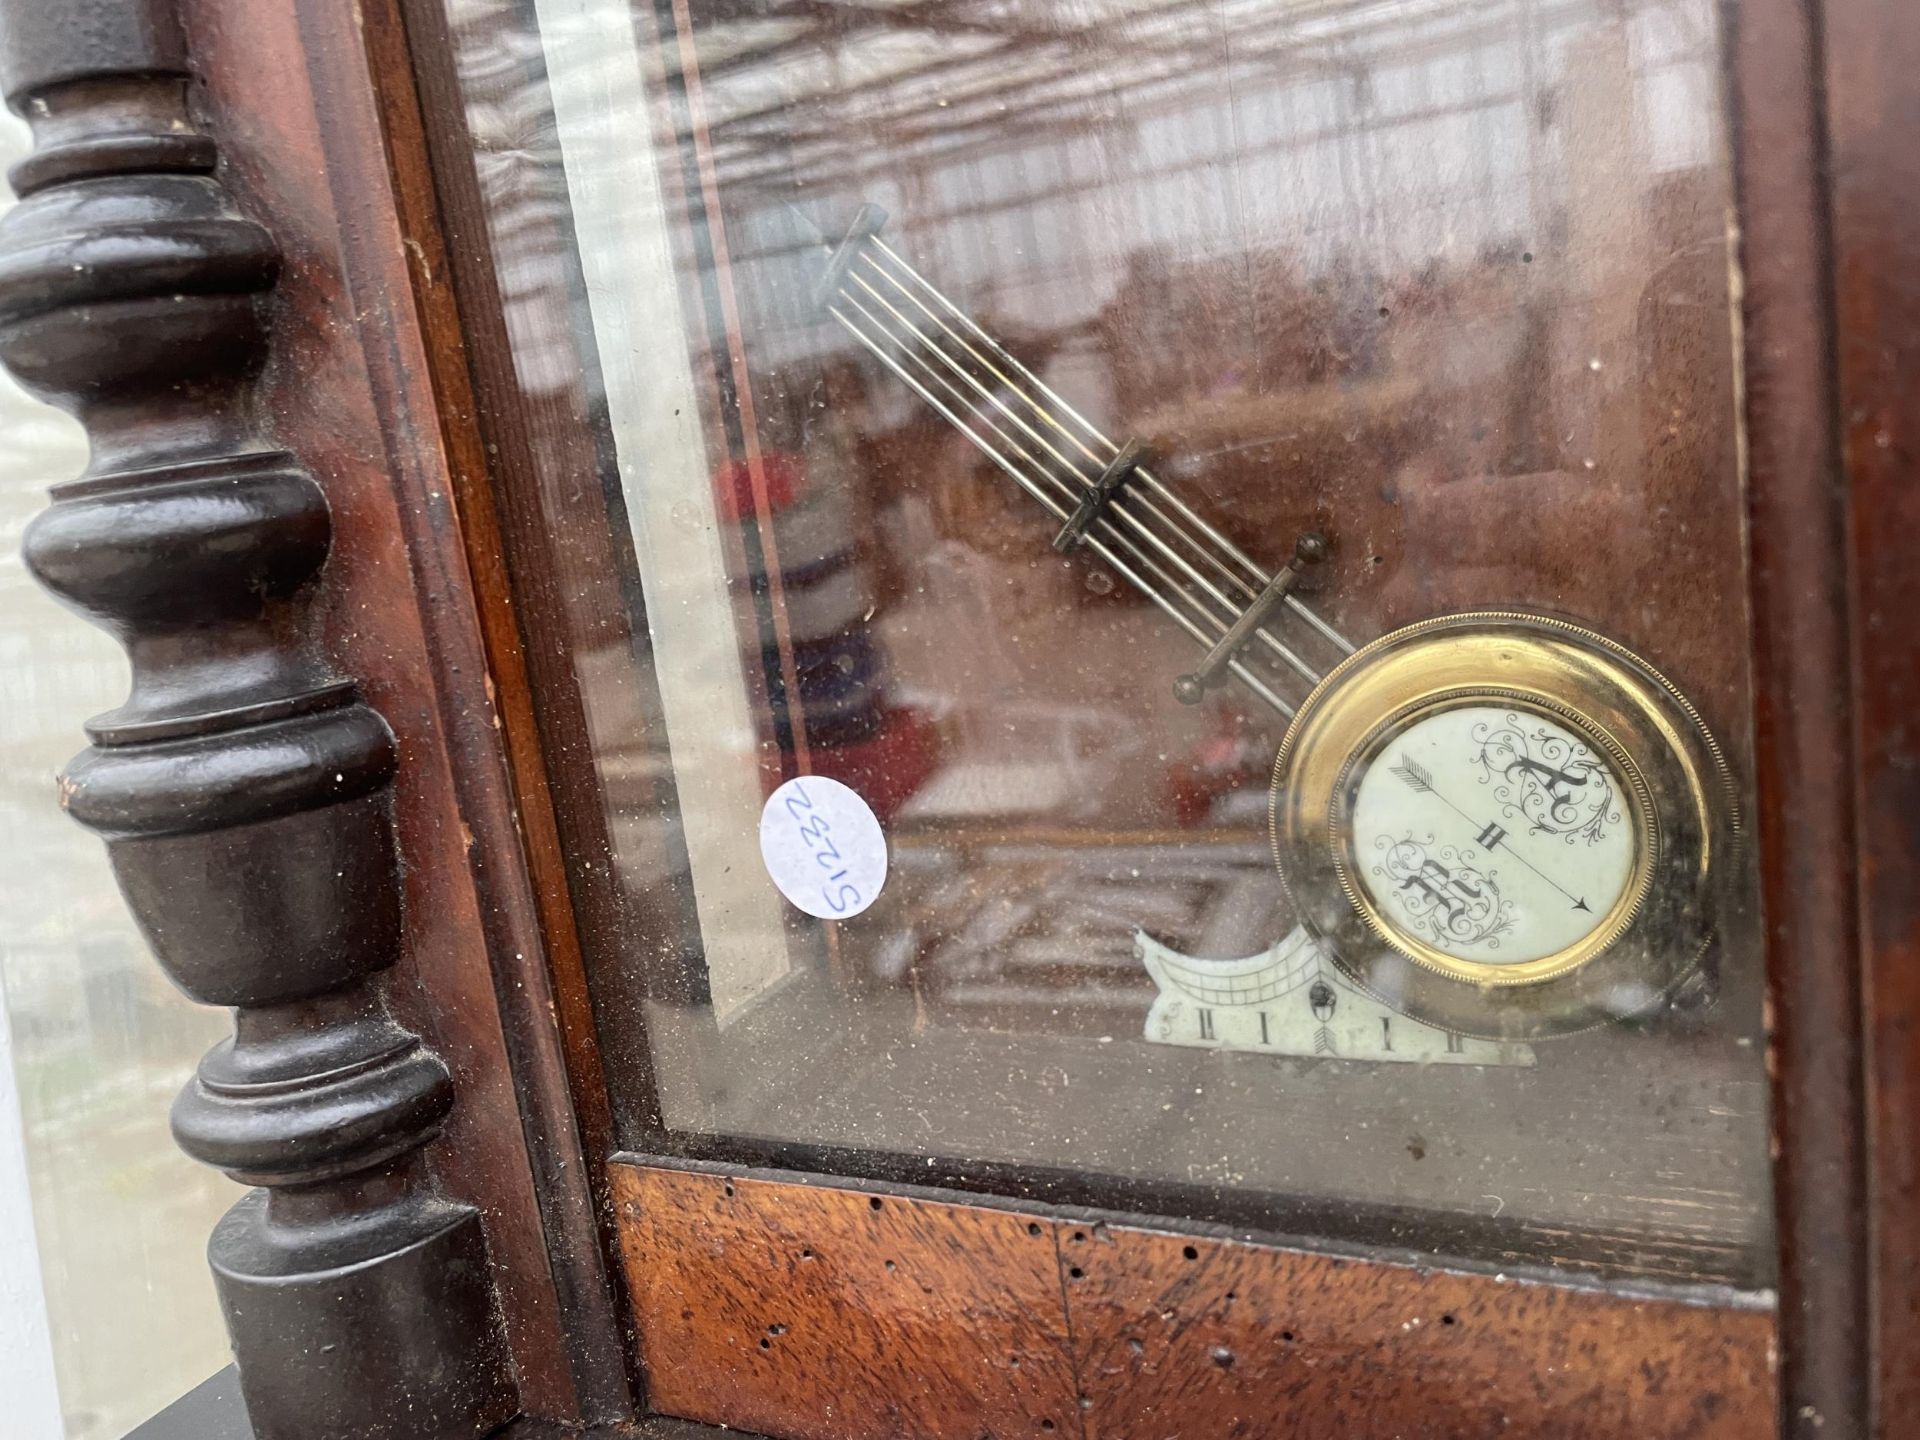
x,y
1178,1336
1803,731
818,1312
809,1310
1873,107
288,86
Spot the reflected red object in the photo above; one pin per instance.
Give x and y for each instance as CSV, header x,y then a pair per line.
x,y
786,480
1225,762
887,768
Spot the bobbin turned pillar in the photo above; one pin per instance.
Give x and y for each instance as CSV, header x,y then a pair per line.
x,y
243,788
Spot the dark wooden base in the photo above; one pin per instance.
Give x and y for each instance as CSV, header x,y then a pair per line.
x,y
381,1327
213,1410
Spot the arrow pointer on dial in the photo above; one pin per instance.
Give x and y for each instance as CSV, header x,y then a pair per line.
x,y
1419,779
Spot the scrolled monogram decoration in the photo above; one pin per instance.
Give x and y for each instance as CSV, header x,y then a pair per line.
x,y
1546,780
1440,894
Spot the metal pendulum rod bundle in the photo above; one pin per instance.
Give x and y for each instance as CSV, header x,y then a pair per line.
x,y
1104,496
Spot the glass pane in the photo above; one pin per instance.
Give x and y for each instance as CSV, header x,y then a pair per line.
x,y
1247,498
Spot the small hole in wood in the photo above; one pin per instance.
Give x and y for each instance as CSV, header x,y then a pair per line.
x,y
1191,1253
1033,1228
1287,1335
1077,1273
766,1344
874,1203
891,1267
776,1329
806,1254
1079,1237
1046,1424
1013,1362
1231,1296
1447,1320
729,1192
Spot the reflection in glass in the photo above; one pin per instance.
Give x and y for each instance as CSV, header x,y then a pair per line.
x,y
1444,281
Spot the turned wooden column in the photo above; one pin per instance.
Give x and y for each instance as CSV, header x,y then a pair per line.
x,y
243,788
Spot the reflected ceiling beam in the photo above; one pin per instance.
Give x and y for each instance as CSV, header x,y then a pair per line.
x,y
1031,102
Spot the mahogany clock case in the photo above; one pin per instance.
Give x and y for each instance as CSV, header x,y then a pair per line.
x,y
536,589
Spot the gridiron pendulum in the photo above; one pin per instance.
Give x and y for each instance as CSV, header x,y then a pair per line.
x,y
1309,550
1106,498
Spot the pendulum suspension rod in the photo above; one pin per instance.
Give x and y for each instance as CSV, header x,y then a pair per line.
x,y
1122,513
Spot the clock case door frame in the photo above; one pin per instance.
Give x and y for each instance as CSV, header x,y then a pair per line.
x,y
389,218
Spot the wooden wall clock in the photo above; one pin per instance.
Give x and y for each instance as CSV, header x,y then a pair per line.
x,y
1392,918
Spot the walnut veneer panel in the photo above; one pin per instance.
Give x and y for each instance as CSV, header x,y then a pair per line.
x,y
808,1312
1196,1337
811,1311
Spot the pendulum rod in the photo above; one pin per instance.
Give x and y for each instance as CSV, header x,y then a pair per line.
x,y
1072,482
851,252
1117,507
1258,577
1231,576
1056,492
1206,631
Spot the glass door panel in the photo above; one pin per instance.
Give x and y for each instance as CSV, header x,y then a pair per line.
x,y
1156,599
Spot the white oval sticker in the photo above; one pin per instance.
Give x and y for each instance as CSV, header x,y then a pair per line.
x,y
823,846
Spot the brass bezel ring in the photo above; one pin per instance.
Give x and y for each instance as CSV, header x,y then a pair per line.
x,y
1655,933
